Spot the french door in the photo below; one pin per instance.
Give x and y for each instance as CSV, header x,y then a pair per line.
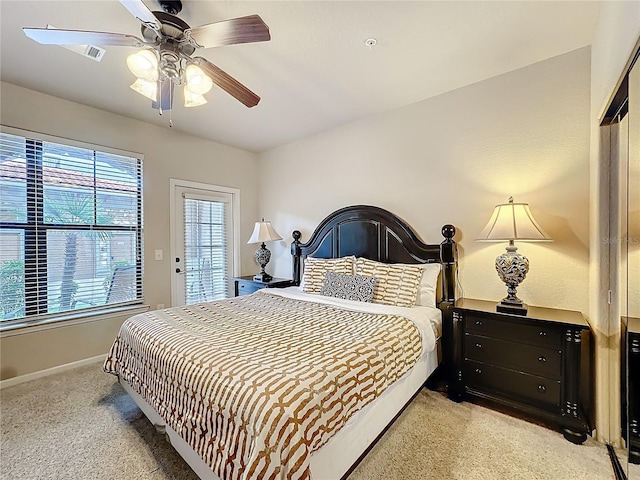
x,y
204,249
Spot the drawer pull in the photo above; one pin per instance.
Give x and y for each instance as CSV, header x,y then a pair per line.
x,y
478,345
542,359
479,322
478,371
542,389
543,334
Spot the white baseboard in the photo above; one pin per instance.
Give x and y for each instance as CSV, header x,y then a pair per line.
x,y
10,382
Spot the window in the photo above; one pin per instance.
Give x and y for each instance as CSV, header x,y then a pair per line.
x,y
70,228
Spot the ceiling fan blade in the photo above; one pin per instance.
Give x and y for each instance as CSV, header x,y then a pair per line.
x,y
138,9
230,32
48,36
228,83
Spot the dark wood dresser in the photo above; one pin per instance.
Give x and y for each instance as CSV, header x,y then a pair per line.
x,y
537,367
247,285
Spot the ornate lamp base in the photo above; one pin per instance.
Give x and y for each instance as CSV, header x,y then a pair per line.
x,y
263,255
520,309
512,269
263,277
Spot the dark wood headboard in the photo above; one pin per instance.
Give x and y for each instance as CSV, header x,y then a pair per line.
x,y
376,234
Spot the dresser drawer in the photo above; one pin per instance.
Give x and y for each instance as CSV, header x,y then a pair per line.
x,y
247,287
543,361
531,333
530,388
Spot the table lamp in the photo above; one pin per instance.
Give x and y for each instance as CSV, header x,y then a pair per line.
x,y
509,222
263,232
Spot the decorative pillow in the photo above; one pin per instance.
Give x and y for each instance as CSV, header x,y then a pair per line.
x,y
348,287
315,269
397,283
428,288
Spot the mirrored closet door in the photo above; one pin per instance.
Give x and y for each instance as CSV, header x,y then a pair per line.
x,y
630,273
624,254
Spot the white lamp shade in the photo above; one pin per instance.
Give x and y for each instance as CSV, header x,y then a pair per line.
x,y
197,81
512,221
144,65
264,232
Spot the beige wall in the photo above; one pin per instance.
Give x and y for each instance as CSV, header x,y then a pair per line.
x,y
167,154
24,353
450,159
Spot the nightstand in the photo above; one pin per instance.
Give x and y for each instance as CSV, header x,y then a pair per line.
x,y
537,367
632,367
247,285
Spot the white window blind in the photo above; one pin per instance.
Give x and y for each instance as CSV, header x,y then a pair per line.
x,y
70,228
206,224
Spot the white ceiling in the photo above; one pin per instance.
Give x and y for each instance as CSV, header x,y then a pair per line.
x,y
315,73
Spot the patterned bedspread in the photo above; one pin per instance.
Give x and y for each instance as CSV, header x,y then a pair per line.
x,y
255,384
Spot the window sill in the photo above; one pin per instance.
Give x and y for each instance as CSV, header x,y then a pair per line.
x,y
59,321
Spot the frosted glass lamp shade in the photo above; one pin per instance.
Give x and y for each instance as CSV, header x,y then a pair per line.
x,y
148,89
193,99
144,65
197,81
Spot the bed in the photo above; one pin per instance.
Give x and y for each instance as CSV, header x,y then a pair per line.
x,y
297,382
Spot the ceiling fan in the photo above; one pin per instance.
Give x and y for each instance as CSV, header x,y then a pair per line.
x,y
167,48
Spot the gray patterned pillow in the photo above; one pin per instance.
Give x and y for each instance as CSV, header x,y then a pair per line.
x,y
348,287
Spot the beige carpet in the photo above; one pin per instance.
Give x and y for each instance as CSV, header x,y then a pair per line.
x,y
82,425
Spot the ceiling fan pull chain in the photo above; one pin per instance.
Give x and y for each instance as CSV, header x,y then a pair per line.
x,y
171,103
160,97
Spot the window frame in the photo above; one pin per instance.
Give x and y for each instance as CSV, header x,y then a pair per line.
x,y
34,231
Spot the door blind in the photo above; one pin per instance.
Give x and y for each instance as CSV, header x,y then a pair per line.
x,y
205,249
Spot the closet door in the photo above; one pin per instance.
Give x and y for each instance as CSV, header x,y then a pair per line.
x,y
630,271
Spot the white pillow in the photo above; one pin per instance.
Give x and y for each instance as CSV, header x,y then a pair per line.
x,y
428,289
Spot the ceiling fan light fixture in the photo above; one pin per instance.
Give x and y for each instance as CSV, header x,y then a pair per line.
x,y
192,99
197,81
166,49
146,88
144,65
